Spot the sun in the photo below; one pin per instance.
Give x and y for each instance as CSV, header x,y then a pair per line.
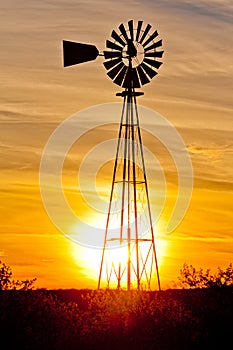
x,y
89,258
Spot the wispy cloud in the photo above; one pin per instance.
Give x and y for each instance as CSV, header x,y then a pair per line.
x,y
214,153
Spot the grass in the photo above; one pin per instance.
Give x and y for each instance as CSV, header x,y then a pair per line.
x,y
89,319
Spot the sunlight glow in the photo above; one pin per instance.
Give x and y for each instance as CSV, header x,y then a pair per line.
x,y
90,258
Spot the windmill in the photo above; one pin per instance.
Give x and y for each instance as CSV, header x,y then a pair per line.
x,y
131,61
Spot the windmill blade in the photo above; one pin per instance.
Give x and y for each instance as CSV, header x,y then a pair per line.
x,y
117,38
154,54
113,46
123,32
120,77
152,37
148,27
138,30
75,53
149,71
136,82
131,76
130,25
113,72
153,46
111,63
152,63
142,76
111,54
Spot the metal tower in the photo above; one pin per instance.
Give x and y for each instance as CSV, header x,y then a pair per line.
x,y
137,267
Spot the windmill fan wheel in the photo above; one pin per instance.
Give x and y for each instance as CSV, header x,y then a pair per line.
x,y
133,55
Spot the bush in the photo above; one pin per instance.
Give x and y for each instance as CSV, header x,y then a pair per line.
x,y
7,283
166,320
190,277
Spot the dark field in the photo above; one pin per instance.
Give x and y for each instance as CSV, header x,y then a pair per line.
x,y
85,319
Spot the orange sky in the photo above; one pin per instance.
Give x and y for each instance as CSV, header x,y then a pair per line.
x,y
193,91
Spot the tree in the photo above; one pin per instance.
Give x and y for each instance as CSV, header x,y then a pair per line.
x,y
6,281
5,276
192,278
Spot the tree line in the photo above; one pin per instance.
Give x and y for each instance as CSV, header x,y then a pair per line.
x,y
190,278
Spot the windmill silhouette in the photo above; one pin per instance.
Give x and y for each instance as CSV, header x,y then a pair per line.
x,y
130,61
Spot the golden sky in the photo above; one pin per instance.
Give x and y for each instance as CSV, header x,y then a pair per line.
x,y
193,91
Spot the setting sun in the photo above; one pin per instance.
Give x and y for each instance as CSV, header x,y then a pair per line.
x,y
90,259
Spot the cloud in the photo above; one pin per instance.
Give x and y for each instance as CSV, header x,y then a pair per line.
x,y
212,153
219,9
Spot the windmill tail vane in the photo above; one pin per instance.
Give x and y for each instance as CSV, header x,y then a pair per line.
x,y
131,60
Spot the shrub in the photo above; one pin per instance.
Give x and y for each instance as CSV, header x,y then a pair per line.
x,y
7,283
190,277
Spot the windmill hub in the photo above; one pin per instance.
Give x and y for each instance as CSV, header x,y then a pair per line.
x,y
131,51
136,54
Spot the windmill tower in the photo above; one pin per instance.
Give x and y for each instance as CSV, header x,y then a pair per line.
x,y
129,258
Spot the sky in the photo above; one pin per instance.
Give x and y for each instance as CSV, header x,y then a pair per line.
x,y
193,91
